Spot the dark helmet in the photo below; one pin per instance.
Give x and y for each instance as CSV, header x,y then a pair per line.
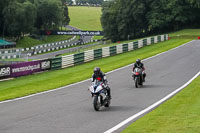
x,y
138,61
97,70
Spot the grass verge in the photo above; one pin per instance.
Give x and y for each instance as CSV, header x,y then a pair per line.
x,y
180,114
29,42
31,84
186,32
85,17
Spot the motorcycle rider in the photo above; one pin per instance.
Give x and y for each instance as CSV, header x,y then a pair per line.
x,y
99,75
139,64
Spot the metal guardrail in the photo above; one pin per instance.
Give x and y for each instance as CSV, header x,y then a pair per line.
x,y
75,59
56,63
6,54
25,68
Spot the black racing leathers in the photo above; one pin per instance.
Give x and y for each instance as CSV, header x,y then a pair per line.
x,y
138,65
101,77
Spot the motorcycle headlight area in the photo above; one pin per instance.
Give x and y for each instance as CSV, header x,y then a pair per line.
x,y
91,89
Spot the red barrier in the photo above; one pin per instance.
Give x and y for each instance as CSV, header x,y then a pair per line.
x,y
168,38
199,37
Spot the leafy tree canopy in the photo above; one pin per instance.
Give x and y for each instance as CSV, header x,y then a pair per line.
x,y
122,19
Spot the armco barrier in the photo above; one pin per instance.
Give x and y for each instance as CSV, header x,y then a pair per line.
x,y
27,68
156,39
144,42
165,37
125,47
56,63
130,46
105,52
113,50
97,53
135,45
148,41
12,53
152,40
140,43
119,48
67,61
90,55
159,38
79,58
7,54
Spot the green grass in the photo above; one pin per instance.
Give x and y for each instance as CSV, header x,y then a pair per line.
x,y
186,33
97,37
29,42
85,18
180,114
53,79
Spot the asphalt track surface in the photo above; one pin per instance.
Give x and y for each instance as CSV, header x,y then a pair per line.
x,y
70,110
56,53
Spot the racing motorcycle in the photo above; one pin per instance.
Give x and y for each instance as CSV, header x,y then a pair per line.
x,y
137,77
99,94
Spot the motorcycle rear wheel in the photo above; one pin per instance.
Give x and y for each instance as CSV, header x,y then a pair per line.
x,y
107,104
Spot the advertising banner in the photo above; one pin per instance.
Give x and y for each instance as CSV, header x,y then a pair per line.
x,y
4,72
25,68
81,33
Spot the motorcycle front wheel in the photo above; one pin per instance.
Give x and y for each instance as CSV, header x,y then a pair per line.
x,y
96,103
136,82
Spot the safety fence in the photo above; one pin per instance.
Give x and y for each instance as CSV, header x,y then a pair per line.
x,y
35,47
75,59
27,68
15,53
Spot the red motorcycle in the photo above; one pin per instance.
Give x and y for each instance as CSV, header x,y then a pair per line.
x,y
138,77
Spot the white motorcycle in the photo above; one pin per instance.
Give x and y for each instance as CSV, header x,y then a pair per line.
x,y
99,94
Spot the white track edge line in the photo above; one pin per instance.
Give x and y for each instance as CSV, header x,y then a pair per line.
x,y
89,79
151,106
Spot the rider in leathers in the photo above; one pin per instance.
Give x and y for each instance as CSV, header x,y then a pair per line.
x,y
139,64
99,75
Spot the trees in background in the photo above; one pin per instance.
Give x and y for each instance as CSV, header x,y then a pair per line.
x,y
172,15
121,19
124,19
66,19
19,17
195,3
50,14
3,4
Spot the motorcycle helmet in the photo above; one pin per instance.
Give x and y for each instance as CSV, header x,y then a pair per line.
x,y
97,70
138,61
